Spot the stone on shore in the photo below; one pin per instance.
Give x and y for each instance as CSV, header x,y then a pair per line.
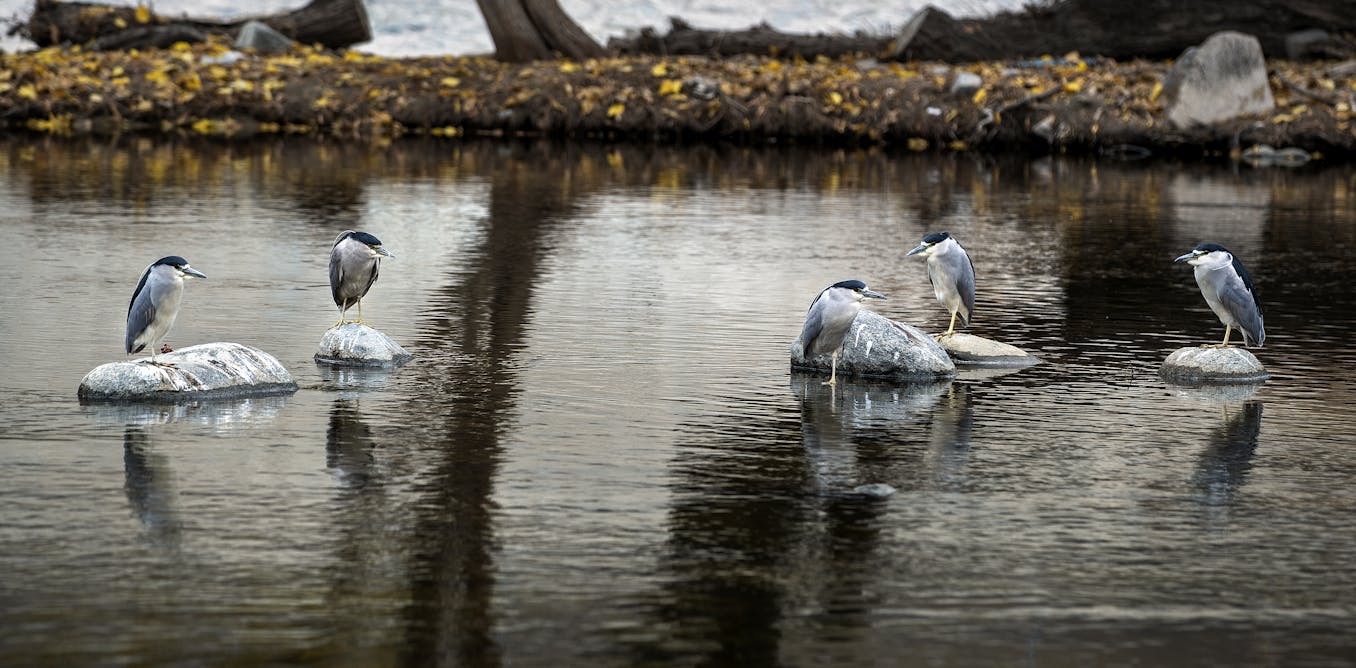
x,y
209,370
1223,78
970,350
877,347
1212,365
356,344
262,38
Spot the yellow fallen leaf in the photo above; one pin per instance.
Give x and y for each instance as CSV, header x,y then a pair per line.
x,y
980,96
28,92
670,87
569,66
659,70
917,144
143,14
1073,86
836,98
120,22
451,82
616,110
1158,90
957,145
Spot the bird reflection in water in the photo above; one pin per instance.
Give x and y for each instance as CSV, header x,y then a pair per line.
x,y
1227,459
148,488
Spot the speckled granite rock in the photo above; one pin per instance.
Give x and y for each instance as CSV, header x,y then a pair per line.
x,y
968,349
877,347
1212,365
207,370
355,344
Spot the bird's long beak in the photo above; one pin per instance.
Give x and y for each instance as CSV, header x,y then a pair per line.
x,y
190,271
1186,257
873,295
921,248
382,251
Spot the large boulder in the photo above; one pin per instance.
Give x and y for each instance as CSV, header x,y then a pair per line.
x,y
877,347
207,370
1198,365
356,344
1223,78
968,349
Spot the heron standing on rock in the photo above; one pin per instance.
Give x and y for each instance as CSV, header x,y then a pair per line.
x,y
354,261
952,276
1228,289
155,304
829,317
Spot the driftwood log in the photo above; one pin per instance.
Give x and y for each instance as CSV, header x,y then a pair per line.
x,y
1154,29
332,23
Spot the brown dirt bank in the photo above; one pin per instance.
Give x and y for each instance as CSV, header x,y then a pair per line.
x,y
1062,104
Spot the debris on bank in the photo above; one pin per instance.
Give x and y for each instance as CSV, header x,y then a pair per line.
x,y
1064,103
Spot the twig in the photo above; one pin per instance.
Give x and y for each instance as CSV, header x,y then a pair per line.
x,y
1027,100
1312,95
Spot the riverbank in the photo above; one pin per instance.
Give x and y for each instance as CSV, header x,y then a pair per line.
x,y
1059,104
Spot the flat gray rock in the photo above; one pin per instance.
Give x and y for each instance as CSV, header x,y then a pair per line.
x,y
1212,365
356,344
1222,78
970,350
877,347
207,370
262,38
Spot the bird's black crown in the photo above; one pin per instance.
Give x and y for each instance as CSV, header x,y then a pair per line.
x,y
363,237
936,237
1210,247
851,285
171,260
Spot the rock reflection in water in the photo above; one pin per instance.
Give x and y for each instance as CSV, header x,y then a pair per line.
x,y
149,492
1227,458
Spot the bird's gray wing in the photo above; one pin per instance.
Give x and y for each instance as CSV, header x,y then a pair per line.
x,y
336,276
965,285
140,313
1242,304
814,325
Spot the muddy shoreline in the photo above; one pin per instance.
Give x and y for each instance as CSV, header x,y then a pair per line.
x,y
1064,104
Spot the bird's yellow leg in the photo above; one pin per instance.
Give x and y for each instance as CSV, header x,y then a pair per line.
x,y
833,370
360,312
1228,329
951,329
342,309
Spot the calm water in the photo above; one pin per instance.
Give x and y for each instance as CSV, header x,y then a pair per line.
x,y
599,457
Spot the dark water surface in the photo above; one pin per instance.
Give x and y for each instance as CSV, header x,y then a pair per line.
x,y
599,457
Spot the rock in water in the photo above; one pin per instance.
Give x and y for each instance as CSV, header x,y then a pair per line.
x,y
1223,78
877,347
207,370
356,344
968,349
1212,365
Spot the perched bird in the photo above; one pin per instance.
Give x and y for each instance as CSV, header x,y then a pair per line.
x,y
829,317
1228,289
952,275
354,261
155,303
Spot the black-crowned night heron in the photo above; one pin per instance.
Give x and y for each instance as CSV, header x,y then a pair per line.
x,y
155,303
829,317
354,261
1227,288
952,275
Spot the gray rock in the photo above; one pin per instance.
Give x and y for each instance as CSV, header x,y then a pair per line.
x,y
966,83
1198,365
1223,78
968,349
259,36
356,344
207,370
877,347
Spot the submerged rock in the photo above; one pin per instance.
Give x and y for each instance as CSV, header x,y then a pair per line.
x,y
1212,365
1223,78
356,344
968,349
207,370
877,347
